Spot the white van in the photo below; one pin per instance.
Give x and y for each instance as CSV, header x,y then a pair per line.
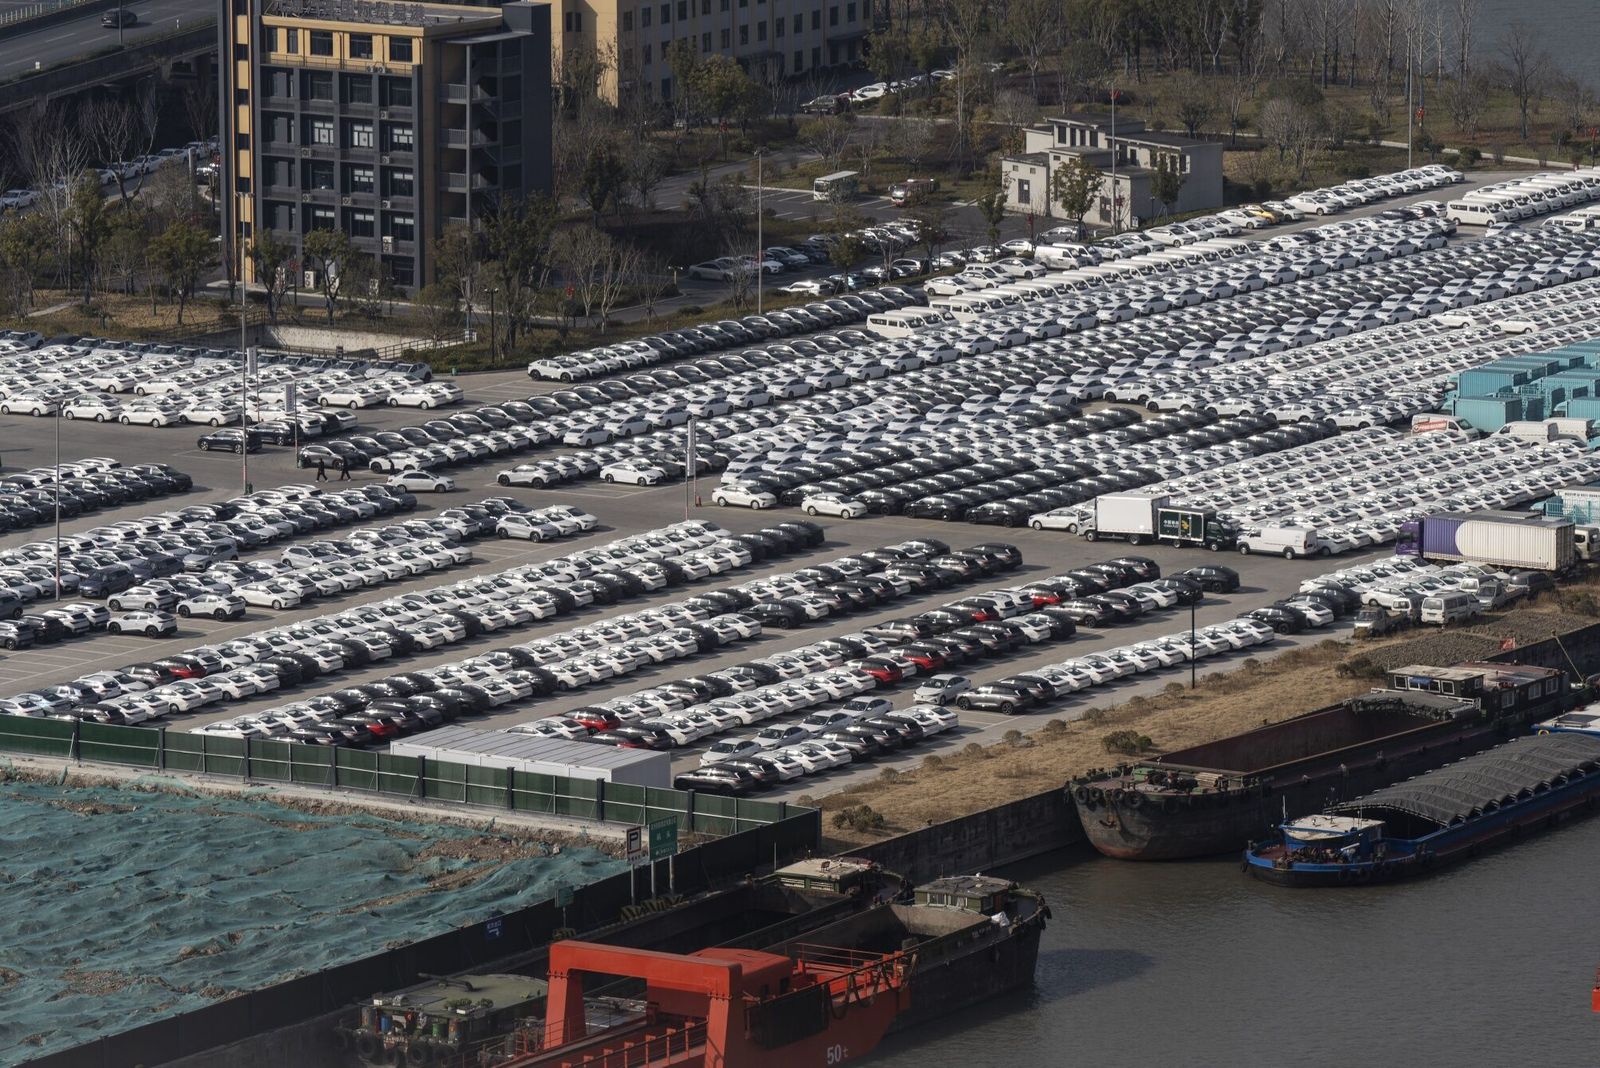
x,y
904,322
1285,541
1447,608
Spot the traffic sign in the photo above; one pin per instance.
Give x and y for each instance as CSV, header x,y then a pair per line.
x,y
664,838
494,928
636,852
563,896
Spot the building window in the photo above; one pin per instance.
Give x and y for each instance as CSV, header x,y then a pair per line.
x,y
833,15
744,35
403,270
361,46
358,180
778,28
683,10
396,92
761,31
666,88
362,223
269,39
816,58
280,216
318,175
291,41
400,49
644,16
645,55
1024,191
398,137
816,21
400,227
358,135
280,172
319,85
799,24
280,128
357,89
627,21
666,14
321,219
705,42
727,39
398,183
850,12
321,132
799,61
705,7
724,5
321,42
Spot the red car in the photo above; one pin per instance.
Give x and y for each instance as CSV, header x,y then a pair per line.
x,y
596,719
886,671
927,660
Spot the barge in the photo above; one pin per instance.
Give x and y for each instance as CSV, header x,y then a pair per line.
x,y
1218,796
1444,816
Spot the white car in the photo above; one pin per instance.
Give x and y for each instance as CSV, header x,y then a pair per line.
x,y
835,504
742,496
150,624
422,480
633,472
210,413
269,593
432,395
526,527
351,397
146,414
728,749
100,409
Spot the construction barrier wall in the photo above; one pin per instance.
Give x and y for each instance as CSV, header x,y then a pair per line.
x,y
267,760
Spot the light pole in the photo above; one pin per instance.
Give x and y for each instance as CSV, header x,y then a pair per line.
x,y
761,255
57,495
689,469
244,417
1115,215
1192,654
119,42
492,334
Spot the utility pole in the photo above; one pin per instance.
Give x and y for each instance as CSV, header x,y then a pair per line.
x,y
244,417
57,495
1193,654
1116,216
1410,114
761,255
688,469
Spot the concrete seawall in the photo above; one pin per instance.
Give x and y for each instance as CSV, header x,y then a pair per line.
x,y
982,841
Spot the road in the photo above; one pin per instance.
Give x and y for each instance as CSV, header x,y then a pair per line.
x,y
622,510
60,41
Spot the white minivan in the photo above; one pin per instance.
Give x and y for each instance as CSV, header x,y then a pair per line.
x,y
1444,608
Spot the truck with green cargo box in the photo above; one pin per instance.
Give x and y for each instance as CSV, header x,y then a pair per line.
x,y
1140,516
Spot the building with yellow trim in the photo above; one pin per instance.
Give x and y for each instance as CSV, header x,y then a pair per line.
x,y
387,120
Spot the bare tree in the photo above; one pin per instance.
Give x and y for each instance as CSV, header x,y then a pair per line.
x,y
53,154
200,108
1466,96
965,23
1526,64
1033,28
911,138
828,136
119,129
1466,18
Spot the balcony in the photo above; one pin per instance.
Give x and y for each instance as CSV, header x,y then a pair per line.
x,y
456,182
459,139
456,93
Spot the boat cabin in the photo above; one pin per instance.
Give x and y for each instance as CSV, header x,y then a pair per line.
x,y
1585,720
1331,837
1497,688
834,875
971,893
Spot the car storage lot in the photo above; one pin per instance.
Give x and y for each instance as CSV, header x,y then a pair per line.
x,y
622,511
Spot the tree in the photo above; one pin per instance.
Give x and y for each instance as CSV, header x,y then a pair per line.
x,y
646,167
519,235
1075,185
364,285
828,136
726,91
89,225
684,62
25,242
888,53
723,207
992,206
328,251
1167,184
602,180
1526,64
124,248
966,26
458,258
930,218
587,257
183,253
1033,28
1196,102
436,307
910,139
1465,98
269,259
118,129
843,242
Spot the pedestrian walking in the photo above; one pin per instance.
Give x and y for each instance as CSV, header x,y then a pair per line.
x,y
344,470
322,470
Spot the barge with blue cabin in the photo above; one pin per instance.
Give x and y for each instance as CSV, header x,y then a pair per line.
x,y
1450,814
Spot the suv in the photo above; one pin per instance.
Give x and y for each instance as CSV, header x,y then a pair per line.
x,y
228,441
120,17
215,605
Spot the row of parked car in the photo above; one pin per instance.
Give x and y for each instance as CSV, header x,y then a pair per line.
x,y
359,636
32,498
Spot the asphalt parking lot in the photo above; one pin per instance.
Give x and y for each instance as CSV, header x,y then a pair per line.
x,y
622,511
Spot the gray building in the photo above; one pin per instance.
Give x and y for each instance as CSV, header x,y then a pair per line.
x,y
388,121
1126,199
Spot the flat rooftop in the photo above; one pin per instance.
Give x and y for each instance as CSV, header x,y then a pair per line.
x,y
380,12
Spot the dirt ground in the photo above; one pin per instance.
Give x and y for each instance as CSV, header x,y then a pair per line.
x,y
1257,692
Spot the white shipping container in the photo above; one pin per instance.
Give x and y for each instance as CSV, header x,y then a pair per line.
x,y
1128,513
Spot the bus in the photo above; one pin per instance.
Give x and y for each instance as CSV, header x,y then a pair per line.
x,y
836,187
903,193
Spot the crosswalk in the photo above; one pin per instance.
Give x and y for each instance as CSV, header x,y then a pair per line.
x,y
787,203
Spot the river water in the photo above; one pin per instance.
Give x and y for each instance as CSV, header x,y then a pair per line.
x,y
1196,964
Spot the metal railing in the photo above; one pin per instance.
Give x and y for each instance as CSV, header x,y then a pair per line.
x,y
33,11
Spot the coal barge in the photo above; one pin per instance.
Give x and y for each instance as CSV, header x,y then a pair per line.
x,y
1447,815
1219,796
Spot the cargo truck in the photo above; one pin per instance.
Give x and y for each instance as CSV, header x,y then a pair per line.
x,y
1141,516
1501,539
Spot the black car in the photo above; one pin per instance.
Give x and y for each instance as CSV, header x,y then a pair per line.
x,y
717,779
782,616
1284,622
997,697
1213,578
230,441
1187,591
1118,610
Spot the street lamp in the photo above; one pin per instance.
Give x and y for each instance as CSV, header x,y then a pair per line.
x,y
761,255
492,334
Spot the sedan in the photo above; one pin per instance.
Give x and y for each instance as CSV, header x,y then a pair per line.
x,y
834,504
421,481
150,624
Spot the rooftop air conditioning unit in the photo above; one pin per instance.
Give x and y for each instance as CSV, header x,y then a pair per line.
x,y
345,201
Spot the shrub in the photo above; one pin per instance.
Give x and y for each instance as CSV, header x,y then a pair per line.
x,y
1263,188
1094,714
1250,665
889,774
1470,154
933,762
1054,727
974,751
691,309
1128,743
1012,737
1173,689
1497,152
860,818
1360,666
1581,602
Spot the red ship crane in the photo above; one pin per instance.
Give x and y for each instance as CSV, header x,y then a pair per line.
x,y
1594,995
722,1008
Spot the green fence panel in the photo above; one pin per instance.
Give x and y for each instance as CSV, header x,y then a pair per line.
x,y
757,812
269,759
576,797
530,792
666,802
223,756
35,737
358,769
486,786
447,781
624,793
399,774
311,764
114,744
184,751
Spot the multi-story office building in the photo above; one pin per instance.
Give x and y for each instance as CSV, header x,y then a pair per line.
x,y
388,121
631,39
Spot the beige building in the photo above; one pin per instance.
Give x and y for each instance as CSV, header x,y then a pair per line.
x,y
1125,199
769,38
388,120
